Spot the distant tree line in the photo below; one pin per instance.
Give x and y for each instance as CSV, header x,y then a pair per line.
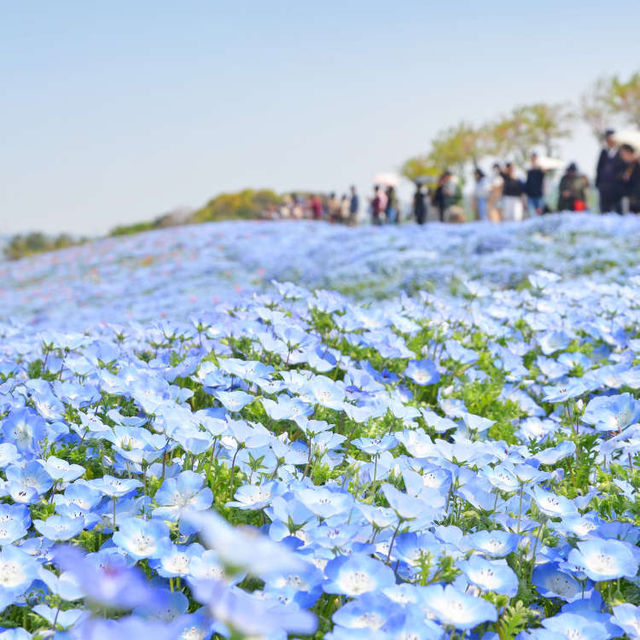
x,y
610,100
25,244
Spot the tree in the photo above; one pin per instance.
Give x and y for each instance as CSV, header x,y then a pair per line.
x,y
241,205
595,107
548,123
529,126
420,168
624,98
455,147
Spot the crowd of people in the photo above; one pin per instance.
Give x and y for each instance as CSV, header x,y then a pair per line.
x,y
501,195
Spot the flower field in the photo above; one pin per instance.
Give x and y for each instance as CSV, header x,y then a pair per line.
x,y
272,430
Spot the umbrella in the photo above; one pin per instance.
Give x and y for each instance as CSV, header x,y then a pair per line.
x,y
386,179
549,164
628,136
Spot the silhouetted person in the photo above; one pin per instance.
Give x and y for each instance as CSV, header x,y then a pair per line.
x,y
609,175
512,192
354,206
377,206
534,187
419,205
573,190
316,207
481,194
631,178
444,195
391,210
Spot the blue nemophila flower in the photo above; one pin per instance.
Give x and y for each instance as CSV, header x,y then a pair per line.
x,y
114,487
552,455
552,505
61,470
576,627
405,506
357,574
457,609
26,430
185,492
242,549
142,538
59,528
612,413
604,559
248,614
627,617
422,372
490,575
494,543
371,611
25,484
233,400
107,578
17,571
551,582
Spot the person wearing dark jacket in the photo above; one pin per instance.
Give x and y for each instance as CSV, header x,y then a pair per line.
x,y
419,205
609,172
631,178
512,192
573,190
444,195
534,187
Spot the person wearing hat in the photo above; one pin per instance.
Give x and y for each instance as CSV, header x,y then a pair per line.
x,y
609,173
573,190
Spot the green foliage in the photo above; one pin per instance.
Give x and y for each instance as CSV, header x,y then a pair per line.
x,y
242,205
26,244
129,229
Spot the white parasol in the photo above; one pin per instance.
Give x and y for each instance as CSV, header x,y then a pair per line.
x,y
386,179
628,136
550,164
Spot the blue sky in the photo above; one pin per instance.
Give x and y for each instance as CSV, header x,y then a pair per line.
x,y
117,111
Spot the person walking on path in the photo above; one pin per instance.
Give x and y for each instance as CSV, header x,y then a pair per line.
x,y
444,195
631,179
609,175
481,193
344,208
573,190
495,194
534,187
419,205
391,210
354,206
377,205
316,207
512,193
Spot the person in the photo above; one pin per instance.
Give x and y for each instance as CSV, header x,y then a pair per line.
x,y
481,194
609,175
377,206
495,193
354,206
391,209
573,190
315,205
444,195
534,187
344,208
512,194
419,205
631,178
333,207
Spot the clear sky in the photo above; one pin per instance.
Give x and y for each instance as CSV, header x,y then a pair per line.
x,y
113,112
